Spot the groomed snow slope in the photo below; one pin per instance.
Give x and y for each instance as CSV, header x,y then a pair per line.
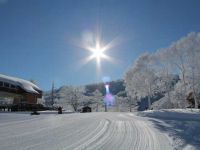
x,y
91,131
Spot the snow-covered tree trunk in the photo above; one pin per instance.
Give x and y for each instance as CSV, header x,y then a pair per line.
x,y
97,98
194,91
97,107
149,97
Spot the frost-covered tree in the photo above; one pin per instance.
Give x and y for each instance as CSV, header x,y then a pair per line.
x,y
165,73
185,60
97,98
192,42
141,78
120,101
151,73
72,95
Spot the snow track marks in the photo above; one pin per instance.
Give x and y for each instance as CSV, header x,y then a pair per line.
x,y
90,131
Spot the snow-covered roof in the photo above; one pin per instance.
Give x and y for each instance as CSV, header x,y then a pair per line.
x,y
24,84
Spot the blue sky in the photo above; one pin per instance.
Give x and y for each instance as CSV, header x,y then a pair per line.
x,y
36,35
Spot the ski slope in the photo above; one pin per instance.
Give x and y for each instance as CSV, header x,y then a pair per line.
x,y
108,131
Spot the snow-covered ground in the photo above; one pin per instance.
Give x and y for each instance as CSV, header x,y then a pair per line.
x,y
107,131
182,126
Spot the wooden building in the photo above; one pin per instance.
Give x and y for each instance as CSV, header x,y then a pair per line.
x,y
19,90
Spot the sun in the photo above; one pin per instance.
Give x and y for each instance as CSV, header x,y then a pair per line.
x,y
97,49
97,52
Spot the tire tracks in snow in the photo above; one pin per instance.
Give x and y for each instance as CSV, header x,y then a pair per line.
x,y
126,132
90,131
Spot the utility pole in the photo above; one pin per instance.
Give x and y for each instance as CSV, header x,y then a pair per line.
x,y
52,94
106,107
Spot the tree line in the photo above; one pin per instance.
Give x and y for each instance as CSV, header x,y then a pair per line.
x,y
152,73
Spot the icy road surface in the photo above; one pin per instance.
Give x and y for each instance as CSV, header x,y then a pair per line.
x,y
91,131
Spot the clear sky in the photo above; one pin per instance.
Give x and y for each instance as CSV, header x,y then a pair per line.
x,y
36,36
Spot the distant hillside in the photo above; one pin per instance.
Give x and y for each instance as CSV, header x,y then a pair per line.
x,y
117,88
60,95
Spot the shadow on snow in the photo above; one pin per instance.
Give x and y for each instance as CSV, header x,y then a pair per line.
x,y
182,127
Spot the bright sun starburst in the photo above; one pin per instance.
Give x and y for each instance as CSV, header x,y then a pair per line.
x,y
97,52
93,43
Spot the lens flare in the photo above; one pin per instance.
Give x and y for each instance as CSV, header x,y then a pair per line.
x,y
107,88
109,98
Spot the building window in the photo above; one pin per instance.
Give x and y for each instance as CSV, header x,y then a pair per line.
x,y
13,86
6,85
1,83
17,87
